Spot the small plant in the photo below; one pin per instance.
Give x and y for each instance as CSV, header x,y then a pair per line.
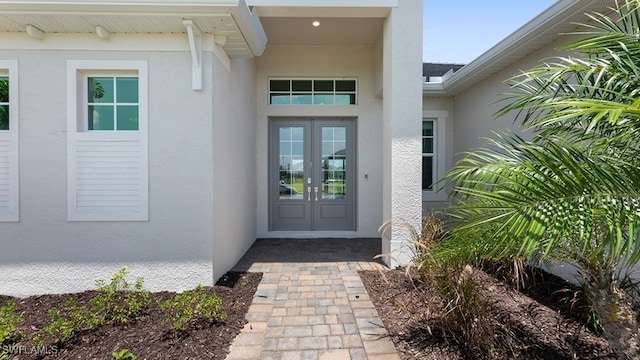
x,y
466,316
9,335
192,306
117,300
67,322
123,354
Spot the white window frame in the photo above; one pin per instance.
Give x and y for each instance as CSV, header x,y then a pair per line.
x,y
312,92
9,68
440,155
85,96
77,123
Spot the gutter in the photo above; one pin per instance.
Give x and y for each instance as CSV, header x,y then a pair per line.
x,y
170,7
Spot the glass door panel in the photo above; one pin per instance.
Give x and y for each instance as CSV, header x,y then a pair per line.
x,y
333,159
291,163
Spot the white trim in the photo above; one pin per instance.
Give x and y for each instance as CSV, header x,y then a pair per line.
x,y
11,139
136,141
195,45
439,154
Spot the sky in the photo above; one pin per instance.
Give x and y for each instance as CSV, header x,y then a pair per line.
x,y
458,31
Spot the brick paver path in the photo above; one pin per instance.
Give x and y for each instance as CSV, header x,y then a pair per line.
x,y
311,303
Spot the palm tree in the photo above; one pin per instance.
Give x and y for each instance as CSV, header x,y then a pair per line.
x,y
572,193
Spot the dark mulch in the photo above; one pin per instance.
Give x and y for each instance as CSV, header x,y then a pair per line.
x,y
537,323
148,337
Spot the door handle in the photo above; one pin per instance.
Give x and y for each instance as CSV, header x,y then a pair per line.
x,y
309,193
315,189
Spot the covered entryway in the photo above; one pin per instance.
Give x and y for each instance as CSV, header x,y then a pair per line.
x,y
311,174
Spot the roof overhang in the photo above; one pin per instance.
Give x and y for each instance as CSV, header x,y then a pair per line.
x,y
324,8
542,30
231,20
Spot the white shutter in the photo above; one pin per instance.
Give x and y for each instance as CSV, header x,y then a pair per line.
x,y
9,147
109,179
8,178
107,171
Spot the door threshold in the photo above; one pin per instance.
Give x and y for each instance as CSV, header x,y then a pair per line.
x,y
313,234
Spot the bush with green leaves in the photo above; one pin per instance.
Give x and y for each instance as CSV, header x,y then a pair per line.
x,y
123,354
65,323
9,335
118,300
115,301
192,307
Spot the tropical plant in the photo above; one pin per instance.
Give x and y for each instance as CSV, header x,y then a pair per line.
x,y
572,192
466,317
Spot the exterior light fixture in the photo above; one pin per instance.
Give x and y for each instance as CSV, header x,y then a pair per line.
x,y
316,23
34,32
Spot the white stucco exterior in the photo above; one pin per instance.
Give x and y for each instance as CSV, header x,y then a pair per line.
x,y
204,141
179,231
202,154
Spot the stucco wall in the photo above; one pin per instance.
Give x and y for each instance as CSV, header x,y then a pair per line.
x,y
46,253
330,62
475,107
402,124
234,156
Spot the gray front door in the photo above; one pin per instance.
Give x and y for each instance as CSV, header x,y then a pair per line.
x,y
312,175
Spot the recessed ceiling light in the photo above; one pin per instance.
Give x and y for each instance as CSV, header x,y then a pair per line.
x,y
316,23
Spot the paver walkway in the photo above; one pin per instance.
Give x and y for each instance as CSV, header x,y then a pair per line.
x,y
311,303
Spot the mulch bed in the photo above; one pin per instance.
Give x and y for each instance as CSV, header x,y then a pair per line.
x,y
524,328
148,336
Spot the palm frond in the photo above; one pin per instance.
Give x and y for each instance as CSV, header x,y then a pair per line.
x,y
536,197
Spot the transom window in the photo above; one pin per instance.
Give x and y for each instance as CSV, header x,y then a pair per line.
x,y
312,92
112,103
428,163
4,102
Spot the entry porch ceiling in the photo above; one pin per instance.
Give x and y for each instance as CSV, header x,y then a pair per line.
x,y
231,19
332,31
342,22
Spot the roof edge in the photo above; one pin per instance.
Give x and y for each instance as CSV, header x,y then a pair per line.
x,y
541,24
250,28
117,6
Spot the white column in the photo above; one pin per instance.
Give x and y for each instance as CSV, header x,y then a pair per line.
x,y
402,113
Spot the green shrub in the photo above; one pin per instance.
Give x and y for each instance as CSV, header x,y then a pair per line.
x,y
66,323
9,335
117,300
192,306
123,354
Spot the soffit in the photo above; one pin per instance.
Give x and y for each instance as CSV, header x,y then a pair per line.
x,y
332,31
222,21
